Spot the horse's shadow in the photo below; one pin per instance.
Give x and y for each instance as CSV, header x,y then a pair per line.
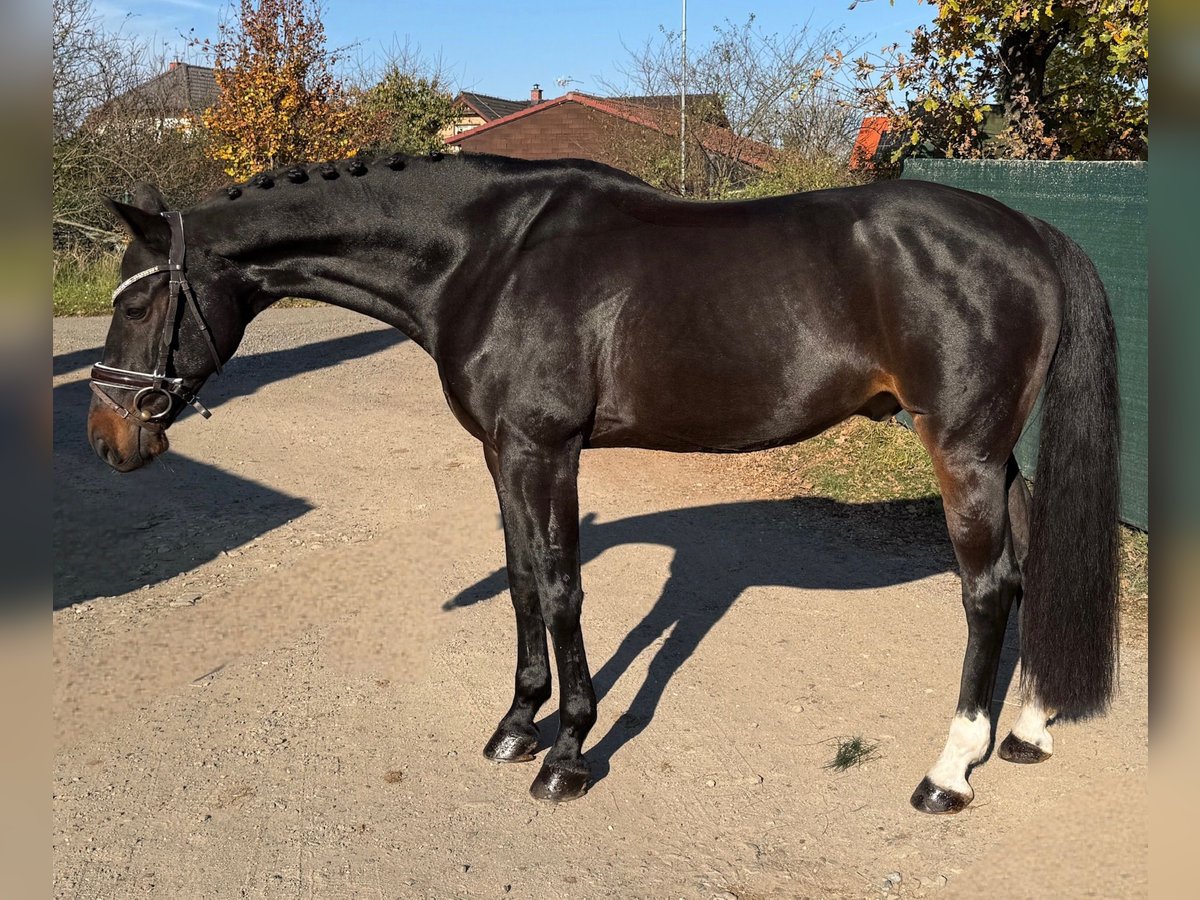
x,y
720,551
247,373
114,534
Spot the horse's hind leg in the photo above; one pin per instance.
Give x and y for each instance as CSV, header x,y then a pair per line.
x,y
516,738
975,496
540,505
1029,741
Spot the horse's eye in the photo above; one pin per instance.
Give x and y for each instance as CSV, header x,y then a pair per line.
x,y
135,312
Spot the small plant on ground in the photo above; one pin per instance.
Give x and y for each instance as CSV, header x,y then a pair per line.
x,y
852,752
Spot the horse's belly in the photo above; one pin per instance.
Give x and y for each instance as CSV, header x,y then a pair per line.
x,y
717,403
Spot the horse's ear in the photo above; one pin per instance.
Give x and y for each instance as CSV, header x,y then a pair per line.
x,y
146,196
142,225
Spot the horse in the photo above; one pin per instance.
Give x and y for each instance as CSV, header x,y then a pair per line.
x,y
571,306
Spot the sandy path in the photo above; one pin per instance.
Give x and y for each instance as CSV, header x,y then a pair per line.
x,y
281,648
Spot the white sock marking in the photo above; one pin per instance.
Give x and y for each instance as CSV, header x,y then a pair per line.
x,y
1031,725
967,743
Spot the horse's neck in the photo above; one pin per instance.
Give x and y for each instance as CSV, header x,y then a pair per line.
x,y
394,256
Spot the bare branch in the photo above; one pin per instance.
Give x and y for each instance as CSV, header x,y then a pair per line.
x,y
760,88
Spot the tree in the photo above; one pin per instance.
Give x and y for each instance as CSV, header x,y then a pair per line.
x,y
1042,79
108,128
280,101
761,90
90,63
90,66
404,111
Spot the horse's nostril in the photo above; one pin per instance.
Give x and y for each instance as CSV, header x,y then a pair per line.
x,y
105,452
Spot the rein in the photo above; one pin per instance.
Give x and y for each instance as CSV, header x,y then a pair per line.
x,y
149,386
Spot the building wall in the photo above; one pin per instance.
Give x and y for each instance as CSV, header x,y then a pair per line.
x,y
465,122
567,130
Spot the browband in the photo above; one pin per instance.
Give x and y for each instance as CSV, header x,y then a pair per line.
x,y
133,279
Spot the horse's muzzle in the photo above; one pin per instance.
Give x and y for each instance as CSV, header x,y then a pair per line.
x,y
119,442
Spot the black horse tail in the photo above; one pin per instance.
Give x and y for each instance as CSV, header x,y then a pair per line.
x,y
1069,615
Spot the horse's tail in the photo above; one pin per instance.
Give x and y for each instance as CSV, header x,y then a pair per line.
x,y
1069,622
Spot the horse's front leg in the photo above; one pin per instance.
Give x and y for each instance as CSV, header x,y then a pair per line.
x,y
540,505
516,737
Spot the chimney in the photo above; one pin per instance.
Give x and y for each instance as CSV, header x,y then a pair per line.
x,y
535,95
175,64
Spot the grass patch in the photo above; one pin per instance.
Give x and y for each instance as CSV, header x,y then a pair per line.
x,y
861,461
1135,562
1135,572
851,753
84,282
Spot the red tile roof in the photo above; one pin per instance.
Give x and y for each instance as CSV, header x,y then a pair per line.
x,y
712,137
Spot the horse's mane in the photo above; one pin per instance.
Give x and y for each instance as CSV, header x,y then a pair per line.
x,y
361,165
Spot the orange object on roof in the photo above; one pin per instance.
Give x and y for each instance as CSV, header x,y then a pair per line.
x,y
866,145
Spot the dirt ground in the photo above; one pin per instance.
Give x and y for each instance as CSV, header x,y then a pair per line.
x,y
280,649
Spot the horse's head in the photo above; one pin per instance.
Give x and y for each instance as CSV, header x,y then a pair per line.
x,y
179,313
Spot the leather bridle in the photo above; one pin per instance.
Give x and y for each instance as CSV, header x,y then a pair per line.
x,y
148,386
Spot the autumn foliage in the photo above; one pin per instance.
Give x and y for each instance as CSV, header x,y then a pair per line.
x,y
1025,79
280,101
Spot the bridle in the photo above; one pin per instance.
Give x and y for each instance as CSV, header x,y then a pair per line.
x,y
148,386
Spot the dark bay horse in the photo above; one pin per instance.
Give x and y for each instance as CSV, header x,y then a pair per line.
x,y
570,306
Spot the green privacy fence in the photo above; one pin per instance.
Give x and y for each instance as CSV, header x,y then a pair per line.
x,y
1103,206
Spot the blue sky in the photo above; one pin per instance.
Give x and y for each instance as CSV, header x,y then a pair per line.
x,y
503,49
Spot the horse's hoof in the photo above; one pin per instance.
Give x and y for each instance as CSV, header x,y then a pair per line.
x,y
511,746
929,798
1015,750
559,785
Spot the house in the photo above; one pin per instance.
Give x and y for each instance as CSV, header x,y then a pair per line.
x,y
173,99
479,109
617,131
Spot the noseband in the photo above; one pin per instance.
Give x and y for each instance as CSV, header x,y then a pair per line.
x,y
144,387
